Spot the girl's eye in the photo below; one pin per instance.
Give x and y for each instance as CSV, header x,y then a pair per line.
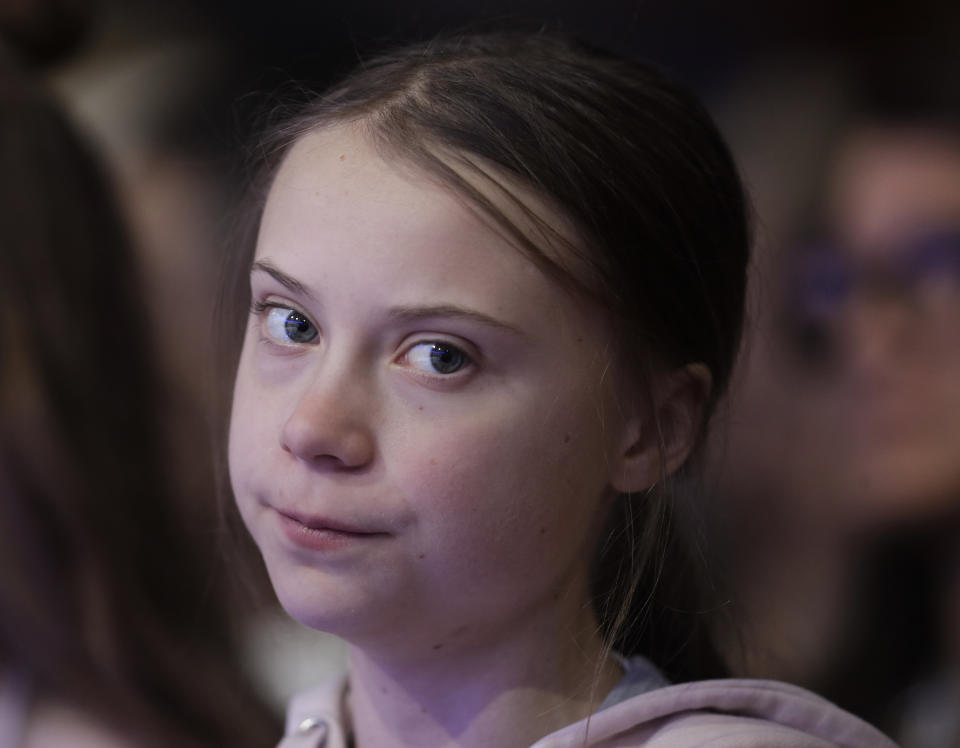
x,y
437,358
287,325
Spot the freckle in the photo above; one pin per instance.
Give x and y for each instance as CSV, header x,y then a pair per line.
x,y
433,461
579,340
543,530
556,596
341,157
422,555
438,646
566,438
420,407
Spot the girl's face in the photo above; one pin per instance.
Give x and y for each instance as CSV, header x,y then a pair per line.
x,y
424,429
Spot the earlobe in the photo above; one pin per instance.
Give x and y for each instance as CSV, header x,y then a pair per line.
x,y
659,438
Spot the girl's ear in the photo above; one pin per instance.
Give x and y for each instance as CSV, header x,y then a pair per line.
x,y
659,438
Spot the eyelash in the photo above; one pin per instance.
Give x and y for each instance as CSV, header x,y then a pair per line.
x,y
463,361
259,307
440,349
263,310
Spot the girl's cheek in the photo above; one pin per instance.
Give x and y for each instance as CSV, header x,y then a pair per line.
x,y
253,425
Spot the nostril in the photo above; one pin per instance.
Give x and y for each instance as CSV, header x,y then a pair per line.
x,y
356,449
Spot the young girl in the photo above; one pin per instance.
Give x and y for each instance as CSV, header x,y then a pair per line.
x,y
496,290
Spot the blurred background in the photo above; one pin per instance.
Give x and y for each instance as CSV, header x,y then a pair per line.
x,y
833,480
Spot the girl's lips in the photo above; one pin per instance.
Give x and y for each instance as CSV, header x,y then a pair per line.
x,y
322,534
323,523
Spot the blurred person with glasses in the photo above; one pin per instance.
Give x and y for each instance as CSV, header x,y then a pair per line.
x,y
841,449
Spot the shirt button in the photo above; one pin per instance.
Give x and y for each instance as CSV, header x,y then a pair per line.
x,y
313,724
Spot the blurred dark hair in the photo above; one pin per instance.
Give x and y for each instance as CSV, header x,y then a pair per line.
x,y
101,599
661,240
45,32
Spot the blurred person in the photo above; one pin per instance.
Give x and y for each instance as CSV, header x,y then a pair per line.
x,y
109,635
842,444
876,293
144,87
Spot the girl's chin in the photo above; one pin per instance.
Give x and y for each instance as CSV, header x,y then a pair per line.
x,y
340,610
325,618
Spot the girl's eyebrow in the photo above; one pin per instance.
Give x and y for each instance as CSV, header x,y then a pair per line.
x,y
282,278
400,313
450,311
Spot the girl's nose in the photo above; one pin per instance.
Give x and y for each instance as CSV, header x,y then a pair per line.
x,y
330,426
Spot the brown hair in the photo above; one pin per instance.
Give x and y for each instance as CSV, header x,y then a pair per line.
x,y
101,600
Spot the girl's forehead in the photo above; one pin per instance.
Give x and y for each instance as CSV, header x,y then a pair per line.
x,y
337,160
349,159
336,189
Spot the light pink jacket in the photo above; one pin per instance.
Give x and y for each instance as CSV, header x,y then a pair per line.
x,y
705,714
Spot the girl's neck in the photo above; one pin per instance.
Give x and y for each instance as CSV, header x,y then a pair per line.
x,y
528,684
